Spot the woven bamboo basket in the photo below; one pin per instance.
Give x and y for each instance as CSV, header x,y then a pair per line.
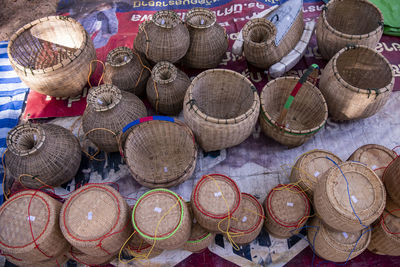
x,y
339,25
138,248
390,205
166,88
386,234
162,219
199,239
350,85
376,157
52,55
287,210
126,70
345,190
208,39
391,180
85,259
108,110
309,167
221,107
29,227
42,155
334,245
305,118
164,38
54,262
95,220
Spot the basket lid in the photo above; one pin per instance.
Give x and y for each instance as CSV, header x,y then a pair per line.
x,y
166,19
200,18
25,139
164,72
390,222
104,97
119,56
251,215
198,234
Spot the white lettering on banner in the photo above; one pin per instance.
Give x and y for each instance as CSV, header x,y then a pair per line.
x,y
230,57
312,9
135,17
396,69
380,47
254,79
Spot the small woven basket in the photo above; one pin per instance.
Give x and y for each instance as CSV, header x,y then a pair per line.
x,y
347,189
221,107
350,83
199,239
208,40
42,155
339,25
126,70
162,219
54,262
95,220
138,248
166,88
391,180
85,259
52,56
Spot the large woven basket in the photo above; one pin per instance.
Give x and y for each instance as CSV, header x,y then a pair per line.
x,y
108,110
339,25
208,40
126,70
138,248
334,245
85,259
162,219
391,180
199,239
166,88
349,197
54,262
221,107
29,227
95,220
164,38
52,55
306,116
356,83
41,155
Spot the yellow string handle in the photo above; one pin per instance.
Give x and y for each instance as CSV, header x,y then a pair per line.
x,y
33,177
91,71
4,175
93,157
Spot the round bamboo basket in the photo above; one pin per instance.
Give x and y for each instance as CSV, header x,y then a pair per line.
x,y
126,70
164,38
52,55
309,167
391,180
390,205
108,110
221,107
95,220
199,239
287,210
54,262
162,219
376,157
42,155
166,88
208,39
352,188
339,25
85,259
29,227
350,85
306,116
138,248
334,245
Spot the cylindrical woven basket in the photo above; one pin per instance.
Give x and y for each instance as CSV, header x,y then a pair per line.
x,y
221,107
391,180
42,155
333,193
306,116
356,83
126,70
52,55
334,245
199,239
95,220
166,88
309,167
162,219
29,227
286,209
339,25
85,259
138,248
164,38
208,40
108,110
54,262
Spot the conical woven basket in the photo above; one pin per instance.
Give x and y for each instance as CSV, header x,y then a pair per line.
x,y
287,210
29,227
345,190
108,111
356,83
54,262
164,38
208,40
162,219
126,70
221,107
85,259
339,25
334,245
138,248
52,55
95,220
391,180
306,116
42,155
166,88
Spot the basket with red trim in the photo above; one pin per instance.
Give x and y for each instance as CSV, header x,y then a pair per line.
x,y
138,248
85,259
391,180
53,262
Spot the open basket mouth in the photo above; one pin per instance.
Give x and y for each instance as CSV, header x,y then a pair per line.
x,y
25,139
259,32
164,72
166,19
104,97
119,56
200,18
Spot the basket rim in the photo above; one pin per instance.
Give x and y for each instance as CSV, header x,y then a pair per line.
x,y
202,11
38,144
162,65
110,55
199,239
260,21
168,13
384,227
365,148
260,219
92,97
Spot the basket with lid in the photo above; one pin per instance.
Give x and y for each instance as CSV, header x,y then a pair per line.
x,y
53,262
391,180
85,259
138,248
